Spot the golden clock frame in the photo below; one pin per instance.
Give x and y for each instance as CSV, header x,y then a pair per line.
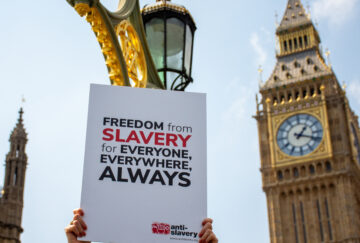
x,y
323,151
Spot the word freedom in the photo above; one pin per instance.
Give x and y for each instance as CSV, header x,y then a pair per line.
x,y
115,122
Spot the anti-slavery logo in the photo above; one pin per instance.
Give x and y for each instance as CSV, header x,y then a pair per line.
x,y
161,228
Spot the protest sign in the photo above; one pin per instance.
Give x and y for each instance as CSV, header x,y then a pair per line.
x,y
144,177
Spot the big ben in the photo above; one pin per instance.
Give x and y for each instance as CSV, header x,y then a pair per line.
x,y
309,141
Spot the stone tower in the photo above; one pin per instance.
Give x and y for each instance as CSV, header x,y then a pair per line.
x,y
12,198
309,142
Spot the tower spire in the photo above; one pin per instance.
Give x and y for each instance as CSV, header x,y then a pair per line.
x,y
12,200
295,15
21,112
299,53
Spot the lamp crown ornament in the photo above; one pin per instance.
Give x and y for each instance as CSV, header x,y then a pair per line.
x,y
170,31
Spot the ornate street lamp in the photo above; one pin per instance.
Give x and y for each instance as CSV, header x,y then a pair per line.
x,y
170,32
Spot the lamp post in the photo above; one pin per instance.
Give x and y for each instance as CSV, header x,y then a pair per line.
x,y
170,32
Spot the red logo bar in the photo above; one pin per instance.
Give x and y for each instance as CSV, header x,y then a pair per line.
x,y
160,228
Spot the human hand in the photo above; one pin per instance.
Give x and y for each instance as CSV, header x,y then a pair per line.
x,y
206,234
76,228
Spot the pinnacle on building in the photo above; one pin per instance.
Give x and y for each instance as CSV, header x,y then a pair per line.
x,y
309,142
12,194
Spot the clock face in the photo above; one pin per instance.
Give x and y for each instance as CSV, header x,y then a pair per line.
x,y
299,135
356,142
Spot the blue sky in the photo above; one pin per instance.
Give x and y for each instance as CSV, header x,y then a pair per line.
x,y
49,55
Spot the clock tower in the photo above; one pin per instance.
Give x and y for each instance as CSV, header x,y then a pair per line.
x,y
309,142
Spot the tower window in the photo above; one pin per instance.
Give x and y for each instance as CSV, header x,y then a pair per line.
x,y
8,175
295,225
304,93
295,43
283,67
319,168
296,173
328,166
16,176
296,64
300,42
285,46
297,94
316,68
312,92
288,75
289,96
290,45
320,222
276,78
328,218
312,169
306,41
303,221
17,151
303,71
280,175
309,61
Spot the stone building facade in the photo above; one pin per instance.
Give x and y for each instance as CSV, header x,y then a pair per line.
x,y
309,142
12,194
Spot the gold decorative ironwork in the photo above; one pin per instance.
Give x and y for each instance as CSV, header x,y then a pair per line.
x,y
103,36
82,9
133,53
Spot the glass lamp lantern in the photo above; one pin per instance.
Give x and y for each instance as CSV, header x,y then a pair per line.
x,y
170,32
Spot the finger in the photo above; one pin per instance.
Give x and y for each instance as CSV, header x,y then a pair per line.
x,y
207,226
207,220
78,227
211,238
80,219
72,229
78,211
205,236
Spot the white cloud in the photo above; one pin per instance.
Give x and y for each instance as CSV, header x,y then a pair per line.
x,y
261,55
336,12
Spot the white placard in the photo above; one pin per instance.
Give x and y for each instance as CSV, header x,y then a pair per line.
x,y
145,165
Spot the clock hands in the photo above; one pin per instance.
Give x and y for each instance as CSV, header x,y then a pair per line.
x,y
298,135
312,137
